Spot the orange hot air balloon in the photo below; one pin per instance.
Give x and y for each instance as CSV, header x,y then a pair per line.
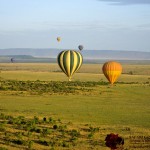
x,y
112,70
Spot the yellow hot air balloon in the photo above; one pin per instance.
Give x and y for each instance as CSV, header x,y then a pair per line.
x,y
69,61
58,39
112,70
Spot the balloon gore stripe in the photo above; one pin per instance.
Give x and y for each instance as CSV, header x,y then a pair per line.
x,y
69,61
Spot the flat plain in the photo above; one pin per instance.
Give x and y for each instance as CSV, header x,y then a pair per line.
x,y
87,108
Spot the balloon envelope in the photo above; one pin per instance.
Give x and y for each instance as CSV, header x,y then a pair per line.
x,y
112,70
69,61
80,47
58,39
12,60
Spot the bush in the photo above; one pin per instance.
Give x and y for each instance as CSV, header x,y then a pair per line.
x,y
3,148
55,127
18,141
2,128
30,144
131,72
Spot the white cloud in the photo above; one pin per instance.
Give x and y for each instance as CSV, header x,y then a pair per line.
x,y
127,2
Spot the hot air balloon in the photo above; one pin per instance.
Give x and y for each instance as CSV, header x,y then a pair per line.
x,y
12,60
112,70
69,61
80,47
58,39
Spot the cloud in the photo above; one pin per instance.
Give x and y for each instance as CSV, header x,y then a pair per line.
x,y
127,2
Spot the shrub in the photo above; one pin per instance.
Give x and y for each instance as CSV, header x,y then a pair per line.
x,y
45,132
44,119
3,148
55,126
18,141
2,116
131,72
90,135
38,130
113,141
2,128
30,144
44,142
36,120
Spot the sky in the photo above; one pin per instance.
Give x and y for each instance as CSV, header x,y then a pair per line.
x,y
95,24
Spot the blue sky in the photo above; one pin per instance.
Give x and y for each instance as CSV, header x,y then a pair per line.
x,y
96,24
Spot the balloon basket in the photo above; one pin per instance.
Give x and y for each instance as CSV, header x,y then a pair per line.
x,y
69,79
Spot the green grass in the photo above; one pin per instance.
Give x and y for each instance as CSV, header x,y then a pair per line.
x,y
50,133
52,72
59,76
139,69
121,104
113,109
88,101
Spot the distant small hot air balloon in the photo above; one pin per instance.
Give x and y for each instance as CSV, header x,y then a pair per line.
x,y
80,47
112,70
69,61
12,60
58,39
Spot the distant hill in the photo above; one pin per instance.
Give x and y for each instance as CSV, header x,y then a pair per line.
x,y
19,56
49,53
119,55
25,59
25,53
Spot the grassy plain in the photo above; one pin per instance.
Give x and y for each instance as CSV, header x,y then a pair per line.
x,y
137,69
88,72
122,108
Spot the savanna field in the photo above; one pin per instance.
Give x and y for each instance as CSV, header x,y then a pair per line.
x,y
41,110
